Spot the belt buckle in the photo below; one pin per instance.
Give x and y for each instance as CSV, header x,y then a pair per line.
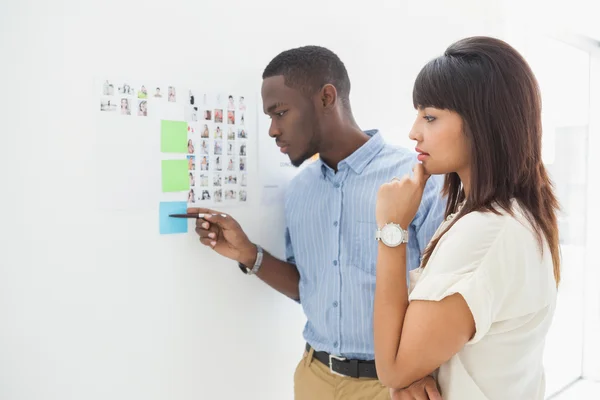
x,y
331,357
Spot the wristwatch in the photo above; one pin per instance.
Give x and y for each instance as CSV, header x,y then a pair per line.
x,y
392,235
257,263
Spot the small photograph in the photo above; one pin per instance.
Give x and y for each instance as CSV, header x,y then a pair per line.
x,y
242,163
191,114
157,93
205,133
191,98
220,98
218,164
205,195
192,180
172,95
108,88
230,164
218,115
242,104
190,146
203,180
243,195
218,148
218,196
191,196
204,147
230,133
230,195
242,134
230,147
243,149
218,133
142,92
217,181
191,163
231,180
231,117
244,180
242,119
204,163
191,130
125,107
207,115
205,99
126,89
142,108
108,105
230,103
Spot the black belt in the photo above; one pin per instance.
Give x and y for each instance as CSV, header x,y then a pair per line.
x,y
343,366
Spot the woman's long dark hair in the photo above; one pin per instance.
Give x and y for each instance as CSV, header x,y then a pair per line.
x,y
491,86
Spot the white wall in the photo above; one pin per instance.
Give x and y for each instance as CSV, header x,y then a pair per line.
x,y
93,303
591,355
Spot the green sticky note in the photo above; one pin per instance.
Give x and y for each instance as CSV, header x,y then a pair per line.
x,y
175,176
173,136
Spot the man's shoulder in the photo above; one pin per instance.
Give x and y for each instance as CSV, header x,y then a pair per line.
x,y
399,153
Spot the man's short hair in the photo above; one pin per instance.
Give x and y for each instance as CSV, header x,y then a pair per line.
x,y
309,68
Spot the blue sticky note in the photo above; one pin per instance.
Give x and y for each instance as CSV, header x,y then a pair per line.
x,y
168,224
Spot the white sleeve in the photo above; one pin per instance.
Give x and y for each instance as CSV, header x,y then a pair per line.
x,y
469,260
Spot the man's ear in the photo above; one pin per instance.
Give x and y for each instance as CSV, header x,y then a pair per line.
x,y
328,96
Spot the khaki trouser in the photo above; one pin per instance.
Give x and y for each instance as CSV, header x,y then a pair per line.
x,y
314,381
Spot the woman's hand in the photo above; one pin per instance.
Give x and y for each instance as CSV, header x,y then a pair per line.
x,y
399,200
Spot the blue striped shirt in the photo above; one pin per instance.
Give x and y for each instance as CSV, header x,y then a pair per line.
x,y
330,237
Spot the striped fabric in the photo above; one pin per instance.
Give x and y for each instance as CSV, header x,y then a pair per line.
x,y
330,236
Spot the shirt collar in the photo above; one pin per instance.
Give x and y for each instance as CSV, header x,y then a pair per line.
x,y
362,156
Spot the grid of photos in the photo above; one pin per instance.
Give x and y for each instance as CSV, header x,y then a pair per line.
x,y
217,148
131,98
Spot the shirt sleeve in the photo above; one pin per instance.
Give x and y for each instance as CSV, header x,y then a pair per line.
x,y
289,250
470,260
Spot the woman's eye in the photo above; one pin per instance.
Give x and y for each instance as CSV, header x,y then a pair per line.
x,y
429,118
280,113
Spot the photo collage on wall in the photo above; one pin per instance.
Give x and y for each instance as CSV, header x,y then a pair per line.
x,y
217,148
130,98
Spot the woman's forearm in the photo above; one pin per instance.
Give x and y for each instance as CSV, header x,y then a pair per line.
x,y
391,303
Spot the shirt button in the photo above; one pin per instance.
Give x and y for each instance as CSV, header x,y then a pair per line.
x,y
335,303
337,185
335,344
335,262
335,223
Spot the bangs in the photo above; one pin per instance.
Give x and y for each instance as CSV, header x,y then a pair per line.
x,y
438,85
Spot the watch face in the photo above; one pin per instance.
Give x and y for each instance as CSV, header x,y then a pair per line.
x,y
391,235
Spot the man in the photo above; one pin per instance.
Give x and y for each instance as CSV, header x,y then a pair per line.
x,y
330,219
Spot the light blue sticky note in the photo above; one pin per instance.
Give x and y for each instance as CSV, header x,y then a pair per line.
x,y
168,224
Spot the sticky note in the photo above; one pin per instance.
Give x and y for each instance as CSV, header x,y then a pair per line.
x,y
169,225
175,176
173,136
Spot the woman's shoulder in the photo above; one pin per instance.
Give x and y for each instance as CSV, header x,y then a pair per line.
x,y
497,219
477,231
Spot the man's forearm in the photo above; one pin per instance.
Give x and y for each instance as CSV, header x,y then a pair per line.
x,y
280,275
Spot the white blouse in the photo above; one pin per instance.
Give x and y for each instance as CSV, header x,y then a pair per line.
x,y
496,264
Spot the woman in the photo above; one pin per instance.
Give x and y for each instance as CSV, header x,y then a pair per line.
x,y
125,110
479,307
142,109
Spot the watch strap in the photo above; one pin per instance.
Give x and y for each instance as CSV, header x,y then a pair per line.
x,y
257,264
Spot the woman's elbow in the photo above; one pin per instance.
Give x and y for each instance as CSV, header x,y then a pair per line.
x,y
391,377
